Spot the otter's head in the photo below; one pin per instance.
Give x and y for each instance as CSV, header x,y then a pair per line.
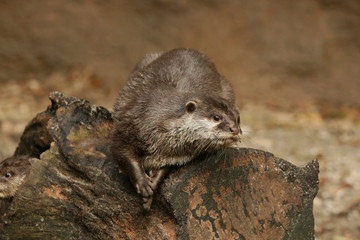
x,y
13,171
213,122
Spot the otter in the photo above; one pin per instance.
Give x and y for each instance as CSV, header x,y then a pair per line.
x,y
173,107
13,171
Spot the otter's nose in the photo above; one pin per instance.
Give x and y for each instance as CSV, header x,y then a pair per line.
x,y
234,130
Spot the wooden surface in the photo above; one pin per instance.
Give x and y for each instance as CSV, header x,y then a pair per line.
x,y
75,191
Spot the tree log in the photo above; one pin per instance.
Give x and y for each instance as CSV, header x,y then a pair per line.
x,y
75,190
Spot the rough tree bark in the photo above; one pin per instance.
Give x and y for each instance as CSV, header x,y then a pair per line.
x,y
75,191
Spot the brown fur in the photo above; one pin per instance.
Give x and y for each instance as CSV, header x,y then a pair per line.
x,y
13,172
173,107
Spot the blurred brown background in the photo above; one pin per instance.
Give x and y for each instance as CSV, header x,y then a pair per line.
x,y
276,51
294,65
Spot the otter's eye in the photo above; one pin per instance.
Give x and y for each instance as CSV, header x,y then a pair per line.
x,y
216,118
7,175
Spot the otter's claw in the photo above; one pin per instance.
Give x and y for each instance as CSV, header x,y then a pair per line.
x,y
147,203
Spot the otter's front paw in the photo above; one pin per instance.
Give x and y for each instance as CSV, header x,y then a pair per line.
x,y
143,187
147,203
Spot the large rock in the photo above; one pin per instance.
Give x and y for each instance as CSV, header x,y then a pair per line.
x,y
75,191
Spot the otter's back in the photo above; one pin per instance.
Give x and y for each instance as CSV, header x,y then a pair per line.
x,y
176,72
187,70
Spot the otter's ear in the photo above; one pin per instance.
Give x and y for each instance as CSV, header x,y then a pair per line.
x,y
191,106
